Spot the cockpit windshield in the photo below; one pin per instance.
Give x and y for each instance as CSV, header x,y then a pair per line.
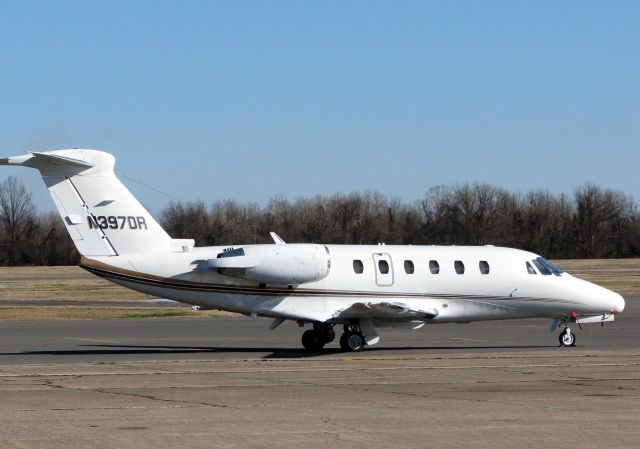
x,y
546,268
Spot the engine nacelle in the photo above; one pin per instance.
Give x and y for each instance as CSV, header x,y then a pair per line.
x,y
288,264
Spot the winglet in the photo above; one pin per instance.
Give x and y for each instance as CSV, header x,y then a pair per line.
x,y
277,239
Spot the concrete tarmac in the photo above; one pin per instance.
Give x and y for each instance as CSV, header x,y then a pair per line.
x,y
230,383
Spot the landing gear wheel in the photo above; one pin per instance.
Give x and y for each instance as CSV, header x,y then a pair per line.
x,y
352,341
567,338
312,340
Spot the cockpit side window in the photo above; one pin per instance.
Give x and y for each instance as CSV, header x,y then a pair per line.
x,y
530,269
541,268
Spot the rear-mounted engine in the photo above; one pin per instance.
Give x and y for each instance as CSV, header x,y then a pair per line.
x,y
275,264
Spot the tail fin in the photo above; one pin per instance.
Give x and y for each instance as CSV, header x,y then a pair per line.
x,y
101,215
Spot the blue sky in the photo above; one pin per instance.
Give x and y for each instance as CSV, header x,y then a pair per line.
x,y
247,100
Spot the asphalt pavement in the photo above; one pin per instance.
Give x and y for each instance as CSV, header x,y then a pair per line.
x,y
231,383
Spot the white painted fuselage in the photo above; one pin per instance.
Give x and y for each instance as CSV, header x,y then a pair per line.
x,y
509,290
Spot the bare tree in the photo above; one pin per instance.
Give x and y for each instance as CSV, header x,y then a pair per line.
x,y
474,214
546,224
53,245
601,216
18,219
186,220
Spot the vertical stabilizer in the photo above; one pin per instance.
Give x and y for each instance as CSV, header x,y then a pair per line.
x,y
103,218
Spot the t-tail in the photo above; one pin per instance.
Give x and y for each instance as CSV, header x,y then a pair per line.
x,y
103,218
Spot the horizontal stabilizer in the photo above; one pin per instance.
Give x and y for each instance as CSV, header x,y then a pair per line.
x,y
56,159
47,160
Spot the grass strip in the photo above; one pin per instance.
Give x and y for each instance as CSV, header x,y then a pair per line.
x,y
100,313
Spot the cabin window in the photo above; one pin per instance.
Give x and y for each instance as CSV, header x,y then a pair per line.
x,y
484,267
358,266
383,266
408,267
541,268
434,267
530,269
459,266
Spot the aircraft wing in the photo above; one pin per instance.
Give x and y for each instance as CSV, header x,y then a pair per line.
x,y
385,312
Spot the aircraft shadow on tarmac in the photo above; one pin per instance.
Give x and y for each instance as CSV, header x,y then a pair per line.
x,y
274,353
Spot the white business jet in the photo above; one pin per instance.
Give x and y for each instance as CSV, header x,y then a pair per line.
x,y
359,287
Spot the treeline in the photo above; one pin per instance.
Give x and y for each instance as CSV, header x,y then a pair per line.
x,y
591,223
29,238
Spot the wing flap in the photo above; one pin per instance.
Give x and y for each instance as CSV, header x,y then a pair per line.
x,y
385,311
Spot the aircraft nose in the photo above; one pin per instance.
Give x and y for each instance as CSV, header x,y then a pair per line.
x,y
617,302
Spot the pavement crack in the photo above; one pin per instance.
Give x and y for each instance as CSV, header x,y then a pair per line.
x,y
51,382
159,399
363,389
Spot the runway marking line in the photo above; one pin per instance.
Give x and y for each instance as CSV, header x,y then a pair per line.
x,y
474,340
94,340
375,361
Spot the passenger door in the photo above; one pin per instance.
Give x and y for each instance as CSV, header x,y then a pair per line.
x,y
383,268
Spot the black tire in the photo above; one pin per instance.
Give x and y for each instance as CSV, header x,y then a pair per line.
x,y
352,341
343,341
313,340
567,338
329,335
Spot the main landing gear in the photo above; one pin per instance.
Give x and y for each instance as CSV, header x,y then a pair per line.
x,y
315,339
352,339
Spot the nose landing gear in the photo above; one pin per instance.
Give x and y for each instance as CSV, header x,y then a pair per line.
x,y
567,338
